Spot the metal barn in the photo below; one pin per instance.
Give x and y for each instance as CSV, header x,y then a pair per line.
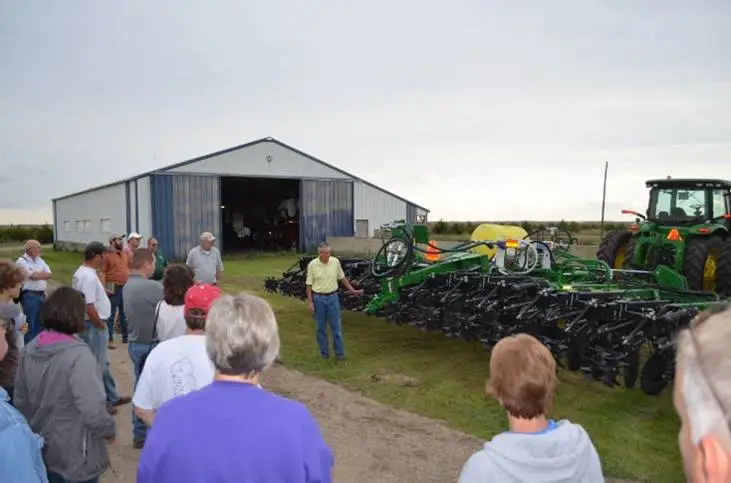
x,y
176,203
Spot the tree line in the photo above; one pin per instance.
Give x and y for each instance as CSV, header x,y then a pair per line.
x,y
23,233
442,227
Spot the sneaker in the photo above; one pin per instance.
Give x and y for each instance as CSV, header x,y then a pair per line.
x,y
341,359
138,443
325,356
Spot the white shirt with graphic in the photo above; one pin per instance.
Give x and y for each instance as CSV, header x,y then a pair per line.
x,y
174,368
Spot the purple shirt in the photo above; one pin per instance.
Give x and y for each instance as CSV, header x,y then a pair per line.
x,y
230,432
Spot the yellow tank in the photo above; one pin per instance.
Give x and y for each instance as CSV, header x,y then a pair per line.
x,y
492,232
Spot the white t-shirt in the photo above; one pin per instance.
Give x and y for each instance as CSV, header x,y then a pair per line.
x,y
86,281
170,321
173,368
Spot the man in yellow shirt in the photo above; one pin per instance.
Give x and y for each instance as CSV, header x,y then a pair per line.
x,y
323,274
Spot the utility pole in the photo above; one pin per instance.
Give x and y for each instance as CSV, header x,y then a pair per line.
x,y
604,200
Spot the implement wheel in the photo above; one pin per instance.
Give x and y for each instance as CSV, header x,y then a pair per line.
x,y
613,248
631,371
653,379
723,269
701,259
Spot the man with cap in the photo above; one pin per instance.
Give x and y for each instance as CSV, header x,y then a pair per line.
x,y
134,240
205,260
179,365
98,307
114,274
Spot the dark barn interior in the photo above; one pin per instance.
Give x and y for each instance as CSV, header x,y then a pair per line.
x,y
259,214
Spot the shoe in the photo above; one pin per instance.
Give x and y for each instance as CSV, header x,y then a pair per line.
x,y
122,401
138,443
325,356
111,346
341,359
111,410
124,341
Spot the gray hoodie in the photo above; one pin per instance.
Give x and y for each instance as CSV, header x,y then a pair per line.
x,y
59,390
9,364
563,453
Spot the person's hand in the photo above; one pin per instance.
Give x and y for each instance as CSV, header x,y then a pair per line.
x,y
311,306
353,291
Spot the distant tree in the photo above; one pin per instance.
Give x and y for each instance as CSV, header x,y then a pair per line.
x,y
440,227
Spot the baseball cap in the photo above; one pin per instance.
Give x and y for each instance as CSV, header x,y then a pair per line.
x,y
200,297
93,249
134,235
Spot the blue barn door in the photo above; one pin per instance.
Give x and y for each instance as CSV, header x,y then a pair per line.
x,y
326,209
183,207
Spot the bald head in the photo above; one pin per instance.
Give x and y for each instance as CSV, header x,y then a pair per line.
x,y
32,248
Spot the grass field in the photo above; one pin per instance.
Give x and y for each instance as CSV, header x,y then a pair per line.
x,y
636,435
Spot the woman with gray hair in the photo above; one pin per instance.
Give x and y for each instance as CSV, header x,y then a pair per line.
x,y
233,430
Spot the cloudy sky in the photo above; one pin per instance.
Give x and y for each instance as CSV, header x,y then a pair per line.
x,y
479,109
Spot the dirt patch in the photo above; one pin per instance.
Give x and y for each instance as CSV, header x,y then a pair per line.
x,y
395,379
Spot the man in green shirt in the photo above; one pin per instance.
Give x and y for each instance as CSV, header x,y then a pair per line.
x,y
323,275
160,260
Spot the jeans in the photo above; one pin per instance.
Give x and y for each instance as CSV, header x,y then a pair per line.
x,y
327,312
96,338
56,478
117,303
138,352
31,302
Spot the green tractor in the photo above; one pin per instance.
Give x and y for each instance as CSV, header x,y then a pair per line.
x,y
686,227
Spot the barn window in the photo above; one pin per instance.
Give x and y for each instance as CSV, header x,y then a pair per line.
x,y
105,225
87,226
79,226
67,226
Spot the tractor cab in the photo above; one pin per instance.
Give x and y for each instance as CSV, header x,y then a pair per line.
x,y
689,202
686,228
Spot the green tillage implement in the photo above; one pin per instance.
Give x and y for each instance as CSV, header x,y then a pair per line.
x,y
401,262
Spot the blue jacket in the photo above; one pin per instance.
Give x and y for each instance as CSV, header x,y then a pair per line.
x,y
21,457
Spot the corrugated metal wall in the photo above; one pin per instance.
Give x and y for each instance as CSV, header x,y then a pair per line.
x,y
326,209
410,213
183,207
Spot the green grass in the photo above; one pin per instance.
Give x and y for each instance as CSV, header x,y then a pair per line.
x,y
636,435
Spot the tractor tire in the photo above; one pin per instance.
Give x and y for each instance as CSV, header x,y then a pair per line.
x,y
697,253
614,246
723,269
652,378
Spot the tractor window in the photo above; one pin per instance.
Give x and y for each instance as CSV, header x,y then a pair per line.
x,y
677,204
720,203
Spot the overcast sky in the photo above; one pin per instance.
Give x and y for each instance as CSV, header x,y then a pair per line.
x,y
479,109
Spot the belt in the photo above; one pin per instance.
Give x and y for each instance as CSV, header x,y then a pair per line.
x,y
37,292
325,294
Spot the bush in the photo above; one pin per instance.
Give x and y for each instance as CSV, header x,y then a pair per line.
x,y
440,228
21,234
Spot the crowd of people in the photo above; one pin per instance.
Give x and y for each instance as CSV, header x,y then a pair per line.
x,y
200,413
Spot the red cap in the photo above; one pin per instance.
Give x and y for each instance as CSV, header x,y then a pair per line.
x,y
200,297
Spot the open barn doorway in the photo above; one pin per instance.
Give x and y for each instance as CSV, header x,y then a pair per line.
x,y
259,214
